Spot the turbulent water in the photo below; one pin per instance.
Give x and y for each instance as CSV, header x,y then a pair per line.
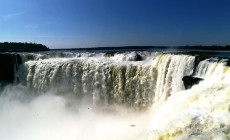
x,y
129,95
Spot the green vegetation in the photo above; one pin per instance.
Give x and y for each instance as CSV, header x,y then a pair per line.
x,y
213,47
21,47
112,50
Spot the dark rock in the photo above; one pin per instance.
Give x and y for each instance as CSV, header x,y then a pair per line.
x,y
201,58
138,58
109,54
7,68
189,81
134,56
198,59
19,59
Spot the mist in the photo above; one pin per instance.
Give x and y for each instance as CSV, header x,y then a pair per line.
x,y
26,115
87,96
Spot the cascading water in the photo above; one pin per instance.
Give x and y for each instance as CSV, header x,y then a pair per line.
x,y
199,113
136,83
149,84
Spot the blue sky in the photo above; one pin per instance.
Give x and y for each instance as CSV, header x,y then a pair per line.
x,y
92,23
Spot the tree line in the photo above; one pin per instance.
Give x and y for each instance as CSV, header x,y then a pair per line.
x,y
22,47
213,47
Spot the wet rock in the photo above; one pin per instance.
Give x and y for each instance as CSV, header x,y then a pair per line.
x,y
134,56
7,68
19,59
189,81
198,59
109,54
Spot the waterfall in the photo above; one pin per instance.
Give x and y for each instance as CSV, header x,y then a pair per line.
x,y
201,112
138,85
104,80
135,83
170,69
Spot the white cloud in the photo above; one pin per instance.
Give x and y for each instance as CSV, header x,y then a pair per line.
x,y
12,15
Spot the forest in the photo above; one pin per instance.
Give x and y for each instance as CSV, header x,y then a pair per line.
x,y
22,47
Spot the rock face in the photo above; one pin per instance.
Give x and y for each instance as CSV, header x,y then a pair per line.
x,y
7,68
138,58
9,65
189,81
134,56
19,59
198,59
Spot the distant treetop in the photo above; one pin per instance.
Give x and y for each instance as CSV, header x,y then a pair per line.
x,y
22,47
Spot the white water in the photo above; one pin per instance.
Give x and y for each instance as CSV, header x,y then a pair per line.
x,y
53,117
96,96
199,113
